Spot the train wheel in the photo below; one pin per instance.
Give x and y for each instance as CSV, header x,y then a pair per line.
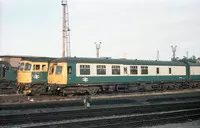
x,y
20,89
93,90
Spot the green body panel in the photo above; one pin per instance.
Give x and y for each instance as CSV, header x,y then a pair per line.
x,y
39,77
10,72
72,77
123,79
195,77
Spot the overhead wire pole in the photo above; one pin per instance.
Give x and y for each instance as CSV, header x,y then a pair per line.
x,y
174,51
66,40
158,54
68,32
97,49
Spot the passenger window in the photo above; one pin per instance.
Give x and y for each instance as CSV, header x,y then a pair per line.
x,y
36,67
144,70
101,69
58,69
44,67
69,69
116,70
84,69
170,70
133,69
157,70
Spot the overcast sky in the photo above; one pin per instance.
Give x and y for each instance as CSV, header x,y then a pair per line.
x,y
131,28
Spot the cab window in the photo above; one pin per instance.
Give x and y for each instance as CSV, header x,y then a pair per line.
x,y
51,71
58,69
27,67
21,66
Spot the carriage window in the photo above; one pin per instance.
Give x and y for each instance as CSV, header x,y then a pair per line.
x,y
170,70
36,67
144,70
21,66
51,71
101,69
157,70
44,67
27,67
134,69
58,69
69,69
116,70
84,69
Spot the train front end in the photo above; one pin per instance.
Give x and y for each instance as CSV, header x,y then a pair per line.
x,y
57,77
32,76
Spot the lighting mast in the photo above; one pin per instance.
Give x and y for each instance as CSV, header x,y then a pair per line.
x,y
66,36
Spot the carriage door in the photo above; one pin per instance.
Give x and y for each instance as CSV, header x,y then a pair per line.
x,y
70,73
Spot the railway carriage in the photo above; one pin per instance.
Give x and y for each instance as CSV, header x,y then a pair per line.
x,y
194,73
8,76
91,75
32,75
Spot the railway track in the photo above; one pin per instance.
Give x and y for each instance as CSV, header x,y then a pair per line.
x,y
129,120
106,116
19,98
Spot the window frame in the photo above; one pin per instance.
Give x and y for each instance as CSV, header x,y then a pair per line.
x,y
69,67
85,69
144,70
26,68
157,70
35,67
133,69
101,69
170,70
52,68
21,66
61,70
44,69
116,69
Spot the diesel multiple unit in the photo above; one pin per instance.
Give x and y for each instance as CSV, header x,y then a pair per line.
x,y
73,75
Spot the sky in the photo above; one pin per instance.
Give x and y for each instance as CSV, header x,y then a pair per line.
x,y
135,29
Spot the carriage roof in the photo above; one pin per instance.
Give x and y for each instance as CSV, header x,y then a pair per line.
x,y
117,61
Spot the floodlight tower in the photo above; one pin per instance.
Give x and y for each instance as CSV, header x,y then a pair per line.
x,y
66,30
187,54
158,54
174,51
97,48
